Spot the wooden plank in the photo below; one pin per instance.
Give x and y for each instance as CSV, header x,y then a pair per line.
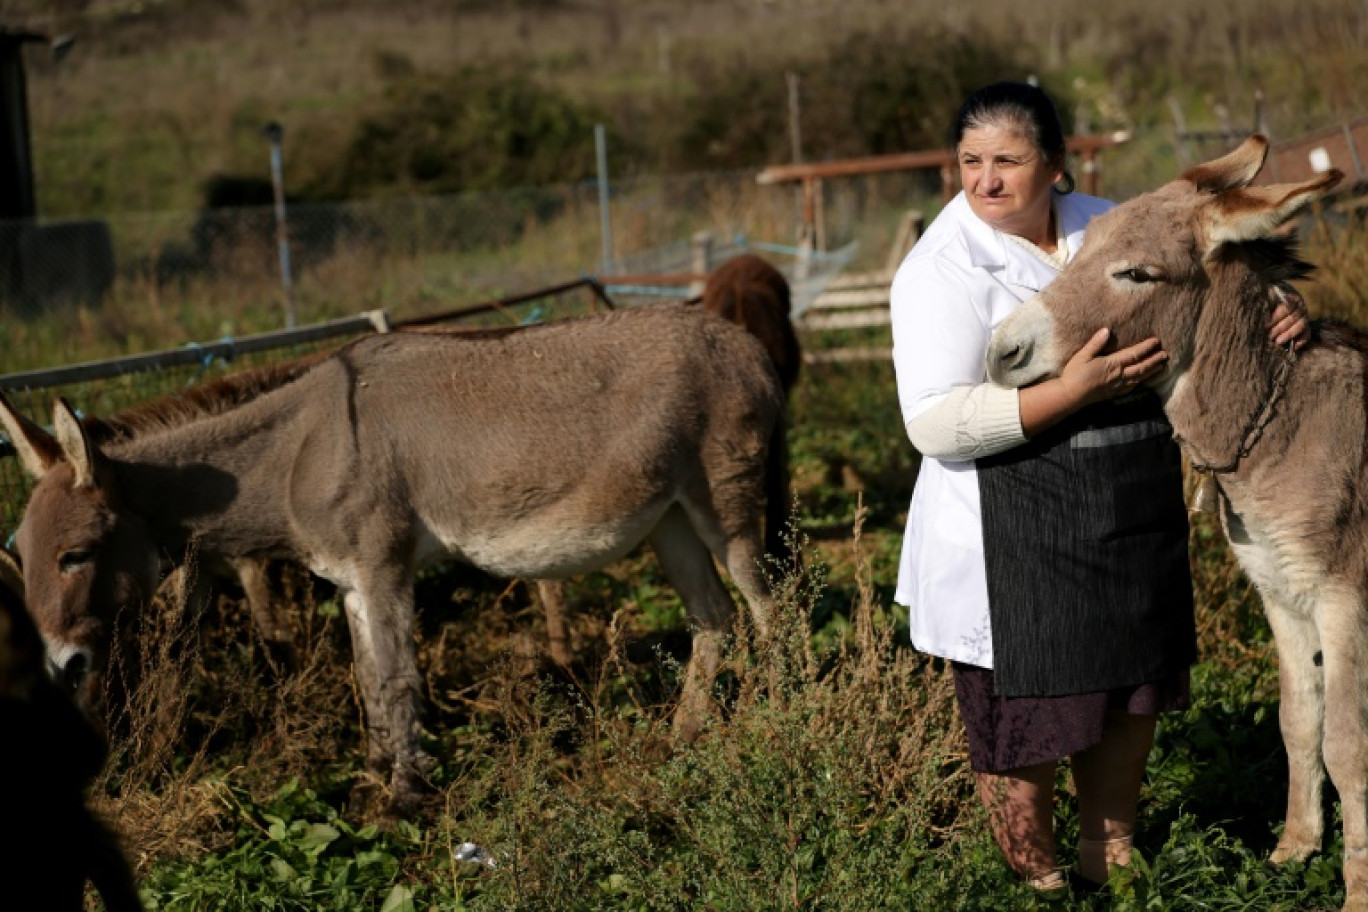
x,y
858,320
847,355
882,277
841,300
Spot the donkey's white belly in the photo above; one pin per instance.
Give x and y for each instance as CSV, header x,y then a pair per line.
x,y
1285,571
541,546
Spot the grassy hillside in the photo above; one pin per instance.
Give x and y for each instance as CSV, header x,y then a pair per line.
x,y
159,96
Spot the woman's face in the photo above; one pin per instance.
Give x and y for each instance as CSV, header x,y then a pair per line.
x,y
1007,180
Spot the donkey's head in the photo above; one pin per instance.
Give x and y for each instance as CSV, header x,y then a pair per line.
x,y
85,560
1154,265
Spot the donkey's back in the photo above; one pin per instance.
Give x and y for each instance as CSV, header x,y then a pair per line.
x,y
537,452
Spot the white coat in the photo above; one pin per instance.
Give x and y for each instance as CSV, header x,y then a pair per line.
x,y
956,285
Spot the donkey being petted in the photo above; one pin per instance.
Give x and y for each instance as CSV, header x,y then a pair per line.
x,y
1285,435
534,452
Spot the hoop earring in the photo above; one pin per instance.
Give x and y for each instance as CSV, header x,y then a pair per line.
x,y
1065,185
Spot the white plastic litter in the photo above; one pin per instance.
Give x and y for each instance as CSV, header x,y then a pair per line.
x,y
471,853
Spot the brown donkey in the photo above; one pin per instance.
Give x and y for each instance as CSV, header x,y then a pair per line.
x,y
536,452
50,844
751,293
1196,264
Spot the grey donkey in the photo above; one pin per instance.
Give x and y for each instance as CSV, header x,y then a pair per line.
x,y
535,452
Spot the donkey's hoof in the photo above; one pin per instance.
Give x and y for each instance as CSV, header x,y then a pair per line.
x,y
688,727
1293,850
400,806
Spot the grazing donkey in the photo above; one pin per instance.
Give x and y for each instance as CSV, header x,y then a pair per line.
x,y
269,616
1196,264
532,452
751,293
50,843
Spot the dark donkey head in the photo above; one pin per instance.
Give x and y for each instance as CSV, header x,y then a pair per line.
x,y
1183,263
50,756
84,559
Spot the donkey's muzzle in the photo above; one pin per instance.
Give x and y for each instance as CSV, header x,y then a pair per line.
x,y
70,666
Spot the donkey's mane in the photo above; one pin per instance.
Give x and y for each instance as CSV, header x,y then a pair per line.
x,y
472,333
1276,259
1339,334
213,398
227,393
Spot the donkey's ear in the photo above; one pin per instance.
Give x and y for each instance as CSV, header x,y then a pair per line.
x,y
1250,213
1236,169
76,444
11,577
37,449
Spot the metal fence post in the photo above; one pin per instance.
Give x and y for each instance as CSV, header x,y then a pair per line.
x,y
700,260
274,134
605,220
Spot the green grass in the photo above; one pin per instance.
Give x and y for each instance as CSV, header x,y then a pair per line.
x,y
835,776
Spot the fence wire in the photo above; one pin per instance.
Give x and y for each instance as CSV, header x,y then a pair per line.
x,y
411,258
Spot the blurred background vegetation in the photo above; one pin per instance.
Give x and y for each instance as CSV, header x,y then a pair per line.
x,y
159,97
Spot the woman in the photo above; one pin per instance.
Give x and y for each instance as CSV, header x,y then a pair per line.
x,y
1046,546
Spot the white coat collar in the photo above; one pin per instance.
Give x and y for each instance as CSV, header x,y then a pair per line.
x,y
989,250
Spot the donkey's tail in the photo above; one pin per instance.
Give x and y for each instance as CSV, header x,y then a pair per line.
x,y
778,538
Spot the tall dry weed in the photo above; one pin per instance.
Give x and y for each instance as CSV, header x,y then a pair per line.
x,y
198,706
822,773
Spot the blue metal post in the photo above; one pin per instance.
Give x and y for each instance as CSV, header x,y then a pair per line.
x,y
275,133
605,222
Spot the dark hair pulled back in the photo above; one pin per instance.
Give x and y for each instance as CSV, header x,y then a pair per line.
x,y
1022,107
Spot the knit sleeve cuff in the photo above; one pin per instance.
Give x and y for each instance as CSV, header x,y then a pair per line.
x,y
999,419
969,423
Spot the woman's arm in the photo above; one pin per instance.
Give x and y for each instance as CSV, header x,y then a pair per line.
x,y
1089,377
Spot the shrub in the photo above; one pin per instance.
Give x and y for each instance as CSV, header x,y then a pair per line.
x,y
471,130
866,95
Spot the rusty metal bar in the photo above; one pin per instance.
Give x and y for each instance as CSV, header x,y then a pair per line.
x,y
655,278
503,303
910,161
811,174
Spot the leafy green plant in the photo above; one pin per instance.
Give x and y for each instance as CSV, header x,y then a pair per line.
x,y
294,852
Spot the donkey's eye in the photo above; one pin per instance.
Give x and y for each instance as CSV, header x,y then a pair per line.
x,y
1136,274
74,559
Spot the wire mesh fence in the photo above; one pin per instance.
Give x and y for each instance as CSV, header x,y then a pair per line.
x,y
217,273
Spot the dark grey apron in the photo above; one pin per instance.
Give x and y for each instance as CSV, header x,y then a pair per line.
x,y
1085,541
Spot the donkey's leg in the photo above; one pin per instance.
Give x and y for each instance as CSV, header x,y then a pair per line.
x,y
552,595
379,750
272,621
1300,715
741,554
384,619
1340,615
739,545
688,565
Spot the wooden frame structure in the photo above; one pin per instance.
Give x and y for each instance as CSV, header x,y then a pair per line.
x,y
811,174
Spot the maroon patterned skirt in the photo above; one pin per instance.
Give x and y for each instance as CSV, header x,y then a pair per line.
x,y
1008,733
